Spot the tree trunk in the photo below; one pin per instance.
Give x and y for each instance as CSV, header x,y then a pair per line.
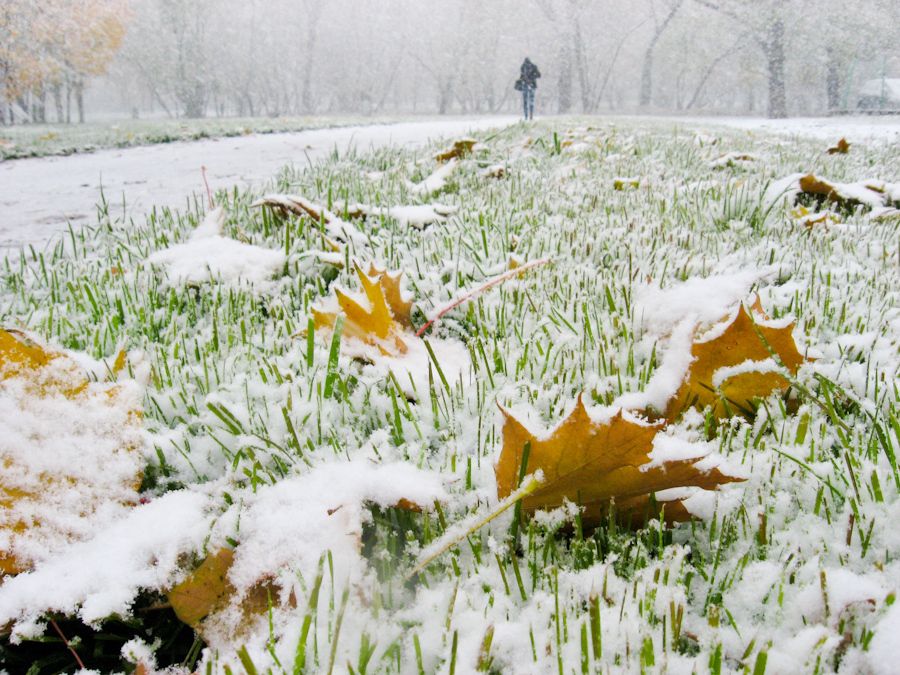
x,y
647,68
774,48
564,84
647,77
79,99
58,103
582,67
833,81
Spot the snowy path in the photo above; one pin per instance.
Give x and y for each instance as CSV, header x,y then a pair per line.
x,y
38,196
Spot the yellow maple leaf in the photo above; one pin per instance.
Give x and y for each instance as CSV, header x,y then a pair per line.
x,y
374,324
21,356
590,463
734,368
401,309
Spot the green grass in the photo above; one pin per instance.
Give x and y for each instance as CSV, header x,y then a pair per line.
x,y
233,392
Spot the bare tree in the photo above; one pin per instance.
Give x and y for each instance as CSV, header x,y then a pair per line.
x,y
647,68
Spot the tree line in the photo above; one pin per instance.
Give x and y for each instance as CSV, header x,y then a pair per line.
x,y
193,58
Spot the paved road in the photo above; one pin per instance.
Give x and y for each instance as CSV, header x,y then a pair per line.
x,y
39,196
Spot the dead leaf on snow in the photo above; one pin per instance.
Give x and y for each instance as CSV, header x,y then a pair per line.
x,y
842,194
207,591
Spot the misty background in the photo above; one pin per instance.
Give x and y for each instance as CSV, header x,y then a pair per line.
x,y
77,59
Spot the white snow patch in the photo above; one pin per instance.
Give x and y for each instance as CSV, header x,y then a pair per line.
x,y
436,181
705,300
207,256
417,215
73,459
289,525
725,373
102,576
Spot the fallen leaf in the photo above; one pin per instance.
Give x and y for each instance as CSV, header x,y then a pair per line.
x,y
401,308
735,367
591,463
458,150
204,590
336,229
494,171
810,219
21,356
842,147
733,159
371,321
842,194
207,591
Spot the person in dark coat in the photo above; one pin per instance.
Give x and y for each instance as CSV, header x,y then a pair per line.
x,y
527,83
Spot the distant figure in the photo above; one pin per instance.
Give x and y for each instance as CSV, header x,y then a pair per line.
x,y
527,83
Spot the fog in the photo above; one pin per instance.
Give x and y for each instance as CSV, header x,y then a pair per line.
x,y
195,58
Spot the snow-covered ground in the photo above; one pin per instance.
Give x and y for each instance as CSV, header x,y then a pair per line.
x,y
856,129
39,196
285,464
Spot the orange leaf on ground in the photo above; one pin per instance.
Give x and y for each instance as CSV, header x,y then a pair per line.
x,y
459,149
735,367
842,147
590,463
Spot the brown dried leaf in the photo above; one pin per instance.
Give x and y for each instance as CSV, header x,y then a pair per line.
x,y
207,591
458,150
743,340
842,147
590,463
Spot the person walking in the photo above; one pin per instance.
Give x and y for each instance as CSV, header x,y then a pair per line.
x,y
527,83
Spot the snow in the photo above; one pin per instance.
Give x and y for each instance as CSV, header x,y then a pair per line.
x,y
881,657
666,380
856,129
288,526
436,181
722,375
704,300
634,280
418,216
101,576
71,461
207,255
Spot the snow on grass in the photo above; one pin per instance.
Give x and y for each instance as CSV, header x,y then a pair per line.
x,y
250,421
208,255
